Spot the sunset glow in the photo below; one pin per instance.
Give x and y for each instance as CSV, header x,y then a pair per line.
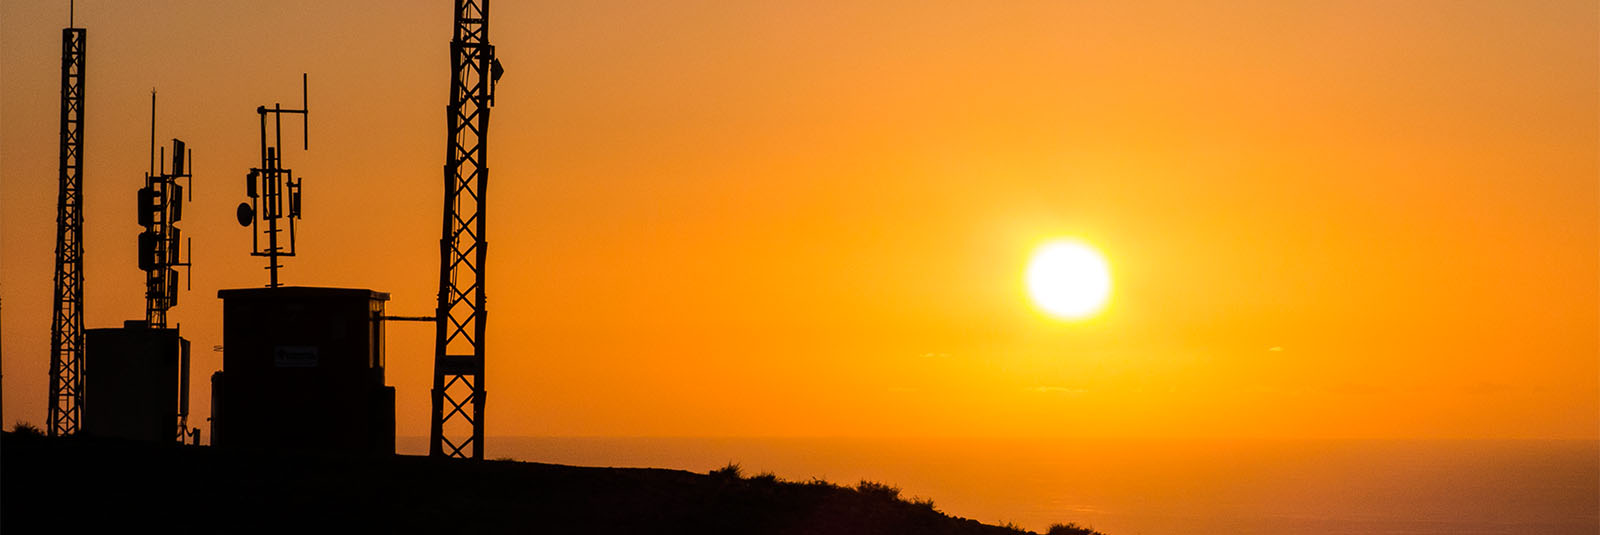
x,y
1076,221
796,201
1069,280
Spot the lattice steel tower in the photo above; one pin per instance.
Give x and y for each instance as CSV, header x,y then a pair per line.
x,y
458,379
66,326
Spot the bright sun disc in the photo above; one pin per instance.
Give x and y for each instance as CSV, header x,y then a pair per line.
x,y
1069,279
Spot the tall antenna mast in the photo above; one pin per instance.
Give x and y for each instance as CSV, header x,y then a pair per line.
x,y
458,380
66,325
160,209
274,191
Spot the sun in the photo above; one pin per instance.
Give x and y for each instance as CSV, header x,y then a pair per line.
x,y
1069,279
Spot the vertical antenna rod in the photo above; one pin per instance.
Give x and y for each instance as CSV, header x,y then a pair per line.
x,y
152,130
305,117
458,363
66,325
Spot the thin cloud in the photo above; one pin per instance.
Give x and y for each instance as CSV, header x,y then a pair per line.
x,y
1059,390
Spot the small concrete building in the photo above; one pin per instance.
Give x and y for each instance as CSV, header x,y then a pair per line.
x,y
303,368
136,382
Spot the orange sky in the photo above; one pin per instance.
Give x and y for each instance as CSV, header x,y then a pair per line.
x,y
1324,219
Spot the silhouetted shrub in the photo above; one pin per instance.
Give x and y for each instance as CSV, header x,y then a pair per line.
x,y
819,482
1070,528
923,502
881,490
767,478
729,472
27,429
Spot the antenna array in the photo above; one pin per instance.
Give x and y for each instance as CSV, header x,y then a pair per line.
x,y
274,191
160,209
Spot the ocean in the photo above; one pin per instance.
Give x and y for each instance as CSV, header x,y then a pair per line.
x,y
1175,487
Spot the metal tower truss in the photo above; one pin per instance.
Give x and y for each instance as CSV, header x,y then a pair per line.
x,y
458,390
66,326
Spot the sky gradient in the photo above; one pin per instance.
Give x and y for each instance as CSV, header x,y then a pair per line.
x,y
782,218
